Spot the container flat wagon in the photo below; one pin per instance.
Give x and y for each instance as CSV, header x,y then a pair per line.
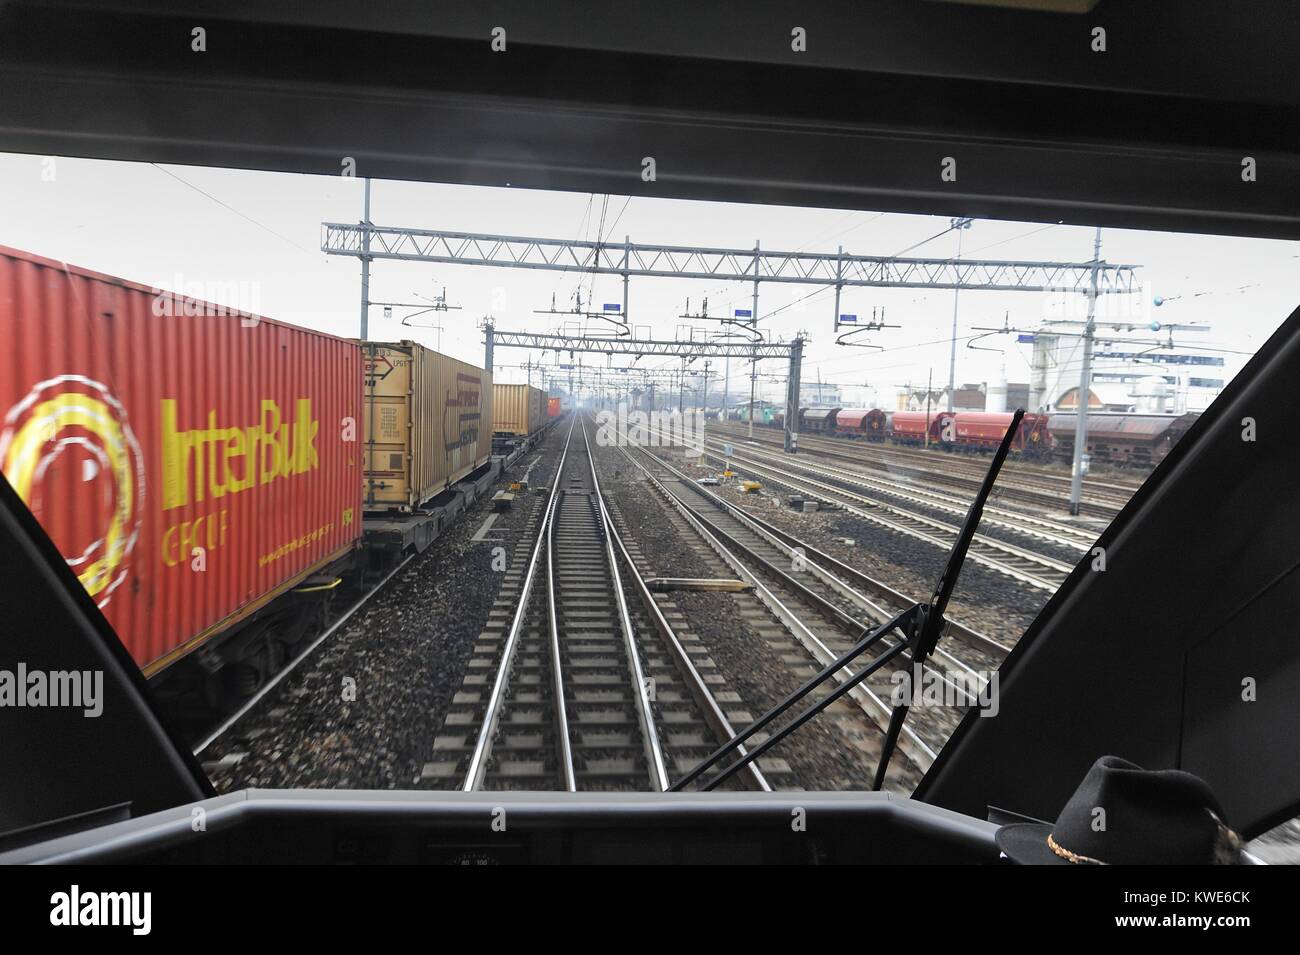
x,y
427,422
196,467
517,410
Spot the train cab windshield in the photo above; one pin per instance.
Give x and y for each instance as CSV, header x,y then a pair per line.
x,y
460,488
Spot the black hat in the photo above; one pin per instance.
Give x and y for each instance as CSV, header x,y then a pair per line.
x,y
1122,814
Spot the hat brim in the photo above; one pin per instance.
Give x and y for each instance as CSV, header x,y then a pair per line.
x,y
1026,843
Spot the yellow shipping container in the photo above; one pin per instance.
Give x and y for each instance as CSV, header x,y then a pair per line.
x,y
517,409
425,423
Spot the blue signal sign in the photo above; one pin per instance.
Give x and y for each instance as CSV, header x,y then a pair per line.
x,y
744,313
848,319
1026,339
613,307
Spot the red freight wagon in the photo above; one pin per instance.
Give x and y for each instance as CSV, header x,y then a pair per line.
x,y
1126,440
191,464
910,427
986,429
852,420
819,419
553,407
863,422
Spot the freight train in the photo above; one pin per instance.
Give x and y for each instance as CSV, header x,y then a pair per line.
x,y
214,477
1119,439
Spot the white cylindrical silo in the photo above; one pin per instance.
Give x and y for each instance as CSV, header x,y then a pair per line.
x,y
996,399
1151,394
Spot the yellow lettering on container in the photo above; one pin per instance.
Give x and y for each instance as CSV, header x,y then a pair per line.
x,y
214,461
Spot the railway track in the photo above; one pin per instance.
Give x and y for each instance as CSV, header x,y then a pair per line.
x,y
1065,536
824,606
1102,500
592,687
1020,563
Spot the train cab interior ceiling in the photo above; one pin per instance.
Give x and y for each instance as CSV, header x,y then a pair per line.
x,y
1079,114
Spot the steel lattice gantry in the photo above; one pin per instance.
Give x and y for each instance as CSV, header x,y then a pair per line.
x,y
630,259
627,259
627,345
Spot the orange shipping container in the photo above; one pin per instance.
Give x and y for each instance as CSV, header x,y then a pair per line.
x,y
426,423
553,408
190,463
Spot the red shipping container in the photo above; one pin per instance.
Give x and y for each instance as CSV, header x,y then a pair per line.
x,y
190,463
553,407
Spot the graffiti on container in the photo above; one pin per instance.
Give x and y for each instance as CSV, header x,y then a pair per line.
x,y
464,414
378,367
72,428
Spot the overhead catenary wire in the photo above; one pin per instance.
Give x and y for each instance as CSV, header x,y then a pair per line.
x,y
314,253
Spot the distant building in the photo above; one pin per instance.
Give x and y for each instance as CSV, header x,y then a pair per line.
x,y
968,398
863,396
816,394
1124,377
918,400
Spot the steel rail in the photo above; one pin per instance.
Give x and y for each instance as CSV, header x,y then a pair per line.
x,y
704,697
645,714
1042,528
1105,496
828,493
483,744
558,704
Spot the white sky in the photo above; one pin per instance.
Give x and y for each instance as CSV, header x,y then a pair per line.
x,y
140,222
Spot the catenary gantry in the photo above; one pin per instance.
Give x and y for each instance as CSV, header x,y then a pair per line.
x,y
628,259
637,259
